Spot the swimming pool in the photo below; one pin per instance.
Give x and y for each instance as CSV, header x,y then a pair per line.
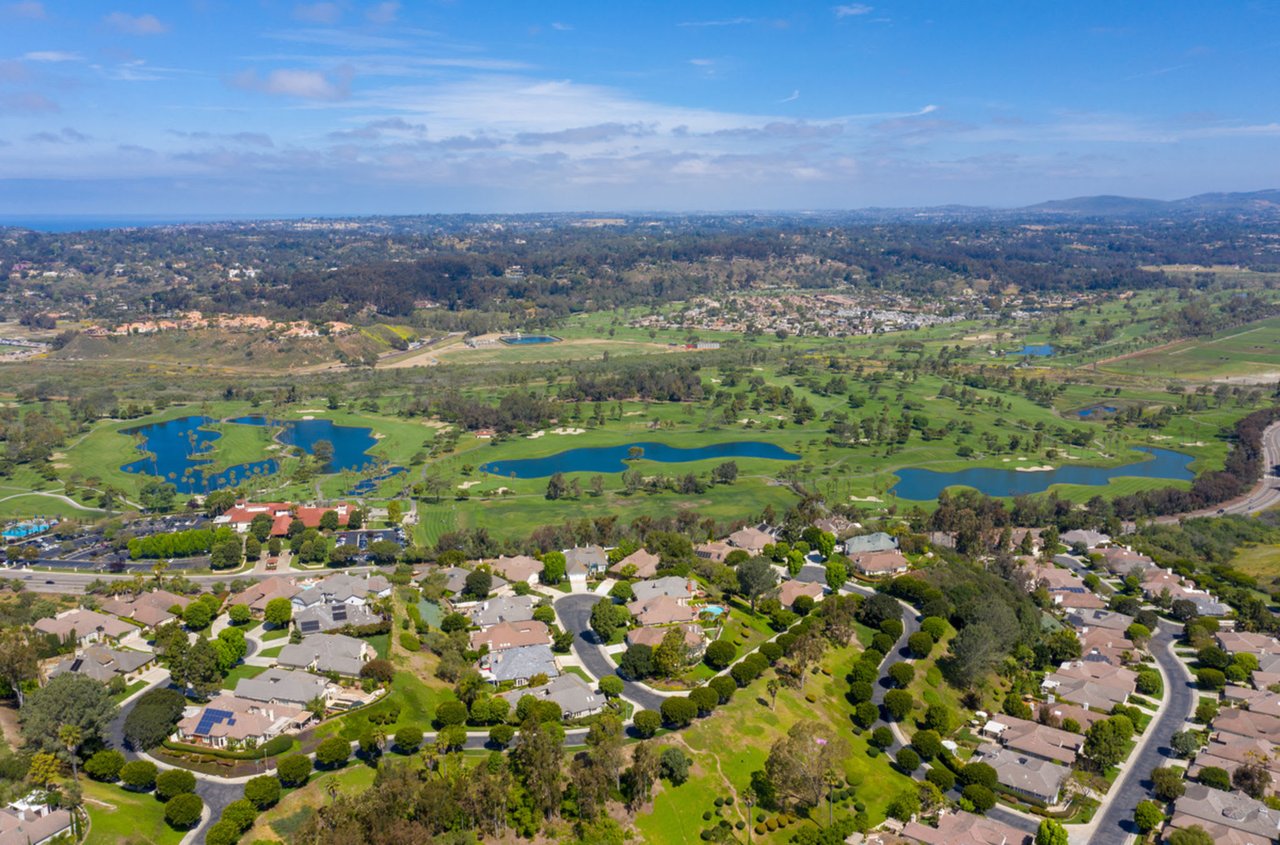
x,y
713,609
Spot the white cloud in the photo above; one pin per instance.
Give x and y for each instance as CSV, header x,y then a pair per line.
x,y
702,62
326,13
561,27
383,13
136,24
292,82
795,95
852,10
51,56
31,10
720,22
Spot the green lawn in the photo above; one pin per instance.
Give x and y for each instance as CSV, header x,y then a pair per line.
x,y
117,817
277,634
417,702
244,670
274,651
128,691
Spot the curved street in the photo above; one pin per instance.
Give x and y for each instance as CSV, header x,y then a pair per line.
x,y
574,611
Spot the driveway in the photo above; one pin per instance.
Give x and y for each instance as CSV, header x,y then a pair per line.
x,y
574,611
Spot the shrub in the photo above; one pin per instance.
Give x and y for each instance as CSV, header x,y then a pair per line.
x,y
882,643
927,743
647,722
1149,682
501,735
980,797
678,711
674,765
882,737
902,673
1210,679
224,832
183,811
239,614
173,782
333,752
263,791
241,813
860,691
276,746
941,777
892,627
409,738
1147,816
294,769
379,669
1215,778
705,699
908,760
139,775
934,626
920,644
724,687
409,641
898,703
451,713
720,654
104,765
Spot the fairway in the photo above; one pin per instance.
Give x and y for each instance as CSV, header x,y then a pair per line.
x,y
1250,352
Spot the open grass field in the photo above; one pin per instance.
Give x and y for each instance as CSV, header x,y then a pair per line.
x,y
1250,351
1262,562
117,817
284,819
734,741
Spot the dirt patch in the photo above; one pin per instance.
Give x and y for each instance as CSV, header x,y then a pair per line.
x,y
9,726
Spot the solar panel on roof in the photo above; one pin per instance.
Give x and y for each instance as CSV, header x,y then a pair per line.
x,y
310,626
212,717
340,613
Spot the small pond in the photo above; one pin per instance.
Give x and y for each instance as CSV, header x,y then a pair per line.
x,y
926,484
1038,350
613,458
528,339
1098,409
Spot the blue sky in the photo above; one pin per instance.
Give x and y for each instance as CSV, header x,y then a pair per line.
x,y
262,107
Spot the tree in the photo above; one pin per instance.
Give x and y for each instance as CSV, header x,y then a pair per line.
x,y
239,614
139,775
755,577
18,660
907,760
607,618
1215,777
674,765
183,811
646,723
937,717
200,670
837,573
920,644
725,473
643,772
173,782
981,797
153,718
294,769
553,568
1051,832
898,703
1106,742
670,655
1252,776
798,763
262,791
322,451
1147,816
379,669
611,686
979,773
927,743
1167,783
105,765
678,712
225,831
197,616
1185,743
278,612
240,815
1194,835
333,752
477,585
902,673
536,758
157,495
557,487
71,737
68,699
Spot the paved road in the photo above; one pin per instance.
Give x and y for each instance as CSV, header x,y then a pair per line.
x,y
1265,494
75,582
574,611
1114,824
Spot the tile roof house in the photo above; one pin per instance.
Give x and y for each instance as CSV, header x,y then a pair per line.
x,y
1065,588
86,626
836,525
662,610
323,618
1100,619
750,540
1086,538
229,718
695,639
342,588
149,609
793,589
507,635
1230,817
962,828
1261,701
282,515
646,564
502,609
327,653
575,697
1237,642
257,595
1083,717
715,551
1231,752
874,564
592,559
519,664
518,568
681,589
1247,724
29,823
1093,684
1035,739
284,686
1030,777
878,541
103,664
1121,562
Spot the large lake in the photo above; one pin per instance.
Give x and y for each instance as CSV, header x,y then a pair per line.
x,y
178,450
613,458
926,484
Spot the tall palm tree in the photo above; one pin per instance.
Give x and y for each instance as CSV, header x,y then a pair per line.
x,y
71,736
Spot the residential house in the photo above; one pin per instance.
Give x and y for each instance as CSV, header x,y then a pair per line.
x,y
284,686
518,568
30,821
281,514
507,635
750,540
1262,701
85,627
1247,724
1065,588
517,665
836,525
716,551
878,564
342,588
662,610
575,696
258,595
681,589
793,589
1092,618
1062,711
646,564
229,719
1033,738
326,653
149,609
695,639
962,828
1237,642
1231,752
1105,645
1093,684
1122,562
323,618
1028,777
1229,817
878,541
1084,538
103,664
583,562
502,609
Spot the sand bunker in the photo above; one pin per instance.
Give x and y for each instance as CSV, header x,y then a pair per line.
x,y
569,431
865,499
1045,468
467,485
536,435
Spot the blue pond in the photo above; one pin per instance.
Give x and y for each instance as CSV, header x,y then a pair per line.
x,y
1039,350
177,450
1098,409
527,339
612,458
926,484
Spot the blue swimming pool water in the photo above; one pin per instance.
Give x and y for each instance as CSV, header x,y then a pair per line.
x,y
613,458
177,447
926,484
526,339
713,609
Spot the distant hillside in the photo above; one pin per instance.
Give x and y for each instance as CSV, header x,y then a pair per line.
x,y
1252,202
